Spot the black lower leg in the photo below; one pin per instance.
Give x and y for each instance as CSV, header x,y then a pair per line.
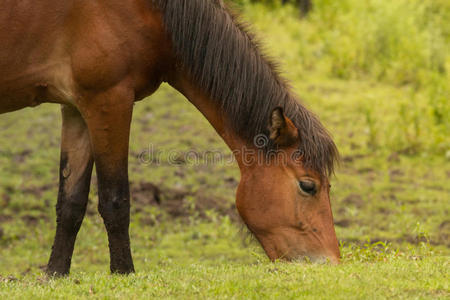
x,y
70,210
114,207
74,182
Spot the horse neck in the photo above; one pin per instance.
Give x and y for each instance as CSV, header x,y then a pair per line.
x,y
212,113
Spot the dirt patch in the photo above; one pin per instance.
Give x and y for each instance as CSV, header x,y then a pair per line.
x,y
6,200
145,194
5,218
352,158
179,203
354,199
384,210
366,170
38,191
394,157
443,236
22,156
33,220
344,223
415,240
231,182
395,174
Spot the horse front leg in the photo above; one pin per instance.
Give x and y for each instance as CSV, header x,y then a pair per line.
x,y
74,181
108,117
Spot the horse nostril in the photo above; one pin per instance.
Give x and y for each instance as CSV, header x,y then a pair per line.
x,y
314,229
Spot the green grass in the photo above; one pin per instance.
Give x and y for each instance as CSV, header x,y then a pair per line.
x,y
388,110
237,281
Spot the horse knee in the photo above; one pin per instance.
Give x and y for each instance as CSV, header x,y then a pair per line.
x,y
70,214
115,212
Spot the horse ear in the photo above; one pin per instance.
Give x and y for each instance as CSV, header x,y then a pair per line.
x,y
282,131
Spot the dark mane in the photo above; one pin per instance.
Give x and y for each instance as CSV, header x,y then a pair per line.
x,y
226,62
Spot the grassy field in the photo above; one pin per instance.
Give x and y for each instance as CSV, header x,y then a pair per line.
x,y
377,74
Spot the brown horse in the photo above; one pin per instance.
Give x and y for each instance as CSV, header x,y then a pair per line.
x,y
96,58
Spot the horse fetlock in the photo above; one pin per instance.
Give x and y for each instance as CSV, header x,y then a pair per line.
x,y
120,252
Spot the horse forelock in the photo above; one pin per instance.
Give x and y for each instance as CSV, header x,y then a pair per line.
x,y
225,60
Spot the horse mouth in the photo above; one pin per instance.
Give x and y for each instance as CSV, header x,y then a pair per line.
x,y
304,257
316,259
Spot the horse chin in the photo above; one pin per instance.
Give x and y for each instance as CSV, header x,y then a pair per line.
x,y
304,257
311,257
278,248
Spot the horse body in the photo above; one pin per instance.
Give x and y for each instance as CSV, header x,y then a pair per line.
x,y
51,51
96,58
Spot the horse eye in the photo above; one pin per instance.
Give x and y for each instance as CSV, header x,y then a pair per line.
x,y
308,187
